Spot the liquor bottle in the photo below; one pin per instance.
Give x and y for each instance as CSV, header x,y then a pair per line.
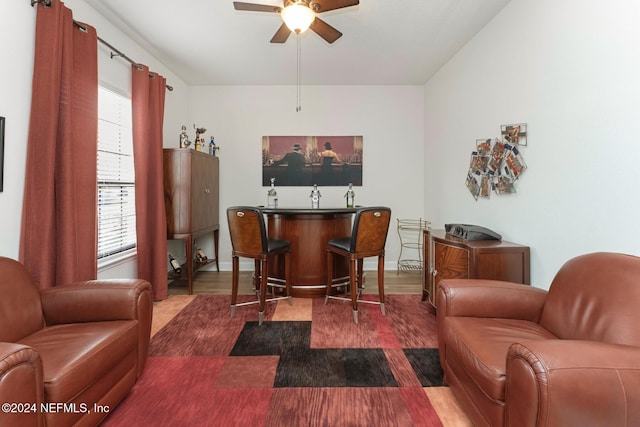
x,y
175,265
184,139
272,195
350,196
212,147
315,197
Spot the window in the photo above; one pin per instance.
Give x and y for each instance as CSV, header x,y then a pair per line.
x,y
116,178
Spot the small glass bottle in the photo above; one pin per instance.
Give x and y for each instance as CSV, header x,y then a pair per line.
x,y
350,196
315,197
272,195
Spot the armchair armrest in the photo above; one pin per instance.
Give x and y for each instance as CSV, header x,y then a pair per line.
x,y
21,383
103,300
95,300
489,298
566,382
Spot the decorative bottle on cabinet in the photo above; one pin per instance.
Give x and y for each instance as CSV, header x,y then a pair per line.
x,y
191,201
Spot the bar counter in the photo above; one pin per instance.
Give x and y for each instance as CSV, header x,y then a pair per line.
x,y
309,231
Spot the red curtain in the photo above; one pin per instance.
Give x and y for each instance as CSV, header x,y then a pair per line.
x,y
147,99
58,242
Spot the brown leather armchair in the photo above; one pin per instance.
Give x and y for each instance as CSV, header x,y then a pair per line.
x,y
69,354
515,355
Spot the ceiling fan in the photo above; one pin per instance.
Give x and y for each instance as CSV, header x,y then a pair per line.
x,y
306,10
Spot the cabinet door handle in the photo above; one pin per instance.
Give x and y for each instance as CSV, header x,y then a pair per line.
x,y
207,191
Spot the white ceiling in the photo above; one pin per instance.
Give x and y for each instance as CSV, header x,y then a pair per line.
x,y
384,42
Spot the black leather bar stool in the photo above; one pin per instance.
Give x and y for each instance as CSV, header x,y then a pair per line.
x,y
249,239
368,239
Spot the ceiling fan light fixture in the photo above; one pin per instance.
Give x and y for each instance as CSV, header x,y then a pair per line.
x,y
298,17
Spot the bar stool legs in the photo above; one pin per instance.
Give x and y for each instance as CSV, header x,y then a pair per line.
x,y
261,277
381,283
355,284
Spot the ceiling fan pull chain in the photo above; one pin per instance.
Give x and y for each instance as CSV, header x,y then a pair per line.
x,y
299,72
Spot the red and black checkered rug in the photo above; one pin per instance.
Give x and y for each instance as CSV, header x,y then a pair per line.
x,y
206,368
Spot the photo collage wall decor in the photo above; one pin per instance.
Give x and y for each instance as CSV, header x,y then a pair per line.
x,y
496,164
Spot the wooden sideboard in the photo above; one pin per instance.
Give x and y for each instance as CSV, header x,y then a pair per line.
x,y
191,197
449,257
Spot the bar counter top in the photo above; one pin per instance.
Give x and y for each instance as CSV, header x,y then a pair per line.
x,y
305,211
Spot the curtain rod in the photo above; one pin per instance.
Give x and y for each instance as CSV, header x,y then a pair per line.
x,y
47,3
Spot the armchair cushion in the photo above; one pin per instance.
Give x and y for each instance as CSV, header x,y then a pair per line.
x,y
480,346
102,300
79,354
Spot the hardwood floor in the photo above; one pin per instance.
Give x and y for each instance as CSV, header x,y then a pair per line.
x,y
212,282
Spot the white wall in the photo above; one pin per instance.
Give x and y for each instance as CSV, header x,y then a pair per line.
x,y
17,26
390,118
570,70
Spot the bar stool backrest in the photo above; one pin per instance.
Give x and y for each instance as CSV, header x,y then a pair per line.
x,y
248,231
370,228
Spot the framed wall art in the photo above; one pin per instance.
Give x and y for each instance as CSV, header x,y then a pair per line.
x,y
308,160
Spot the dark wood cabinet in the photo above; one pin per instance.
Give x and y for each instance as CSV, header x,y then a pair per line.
x,y
449,257
191,197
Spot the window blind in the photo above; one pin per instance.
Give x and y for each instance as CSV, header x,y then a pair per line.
x,y
116,178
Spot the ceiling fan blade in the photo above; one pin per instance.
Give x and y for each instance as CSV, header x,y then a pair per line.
x,y
238,5
325,30
326,5
281,35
